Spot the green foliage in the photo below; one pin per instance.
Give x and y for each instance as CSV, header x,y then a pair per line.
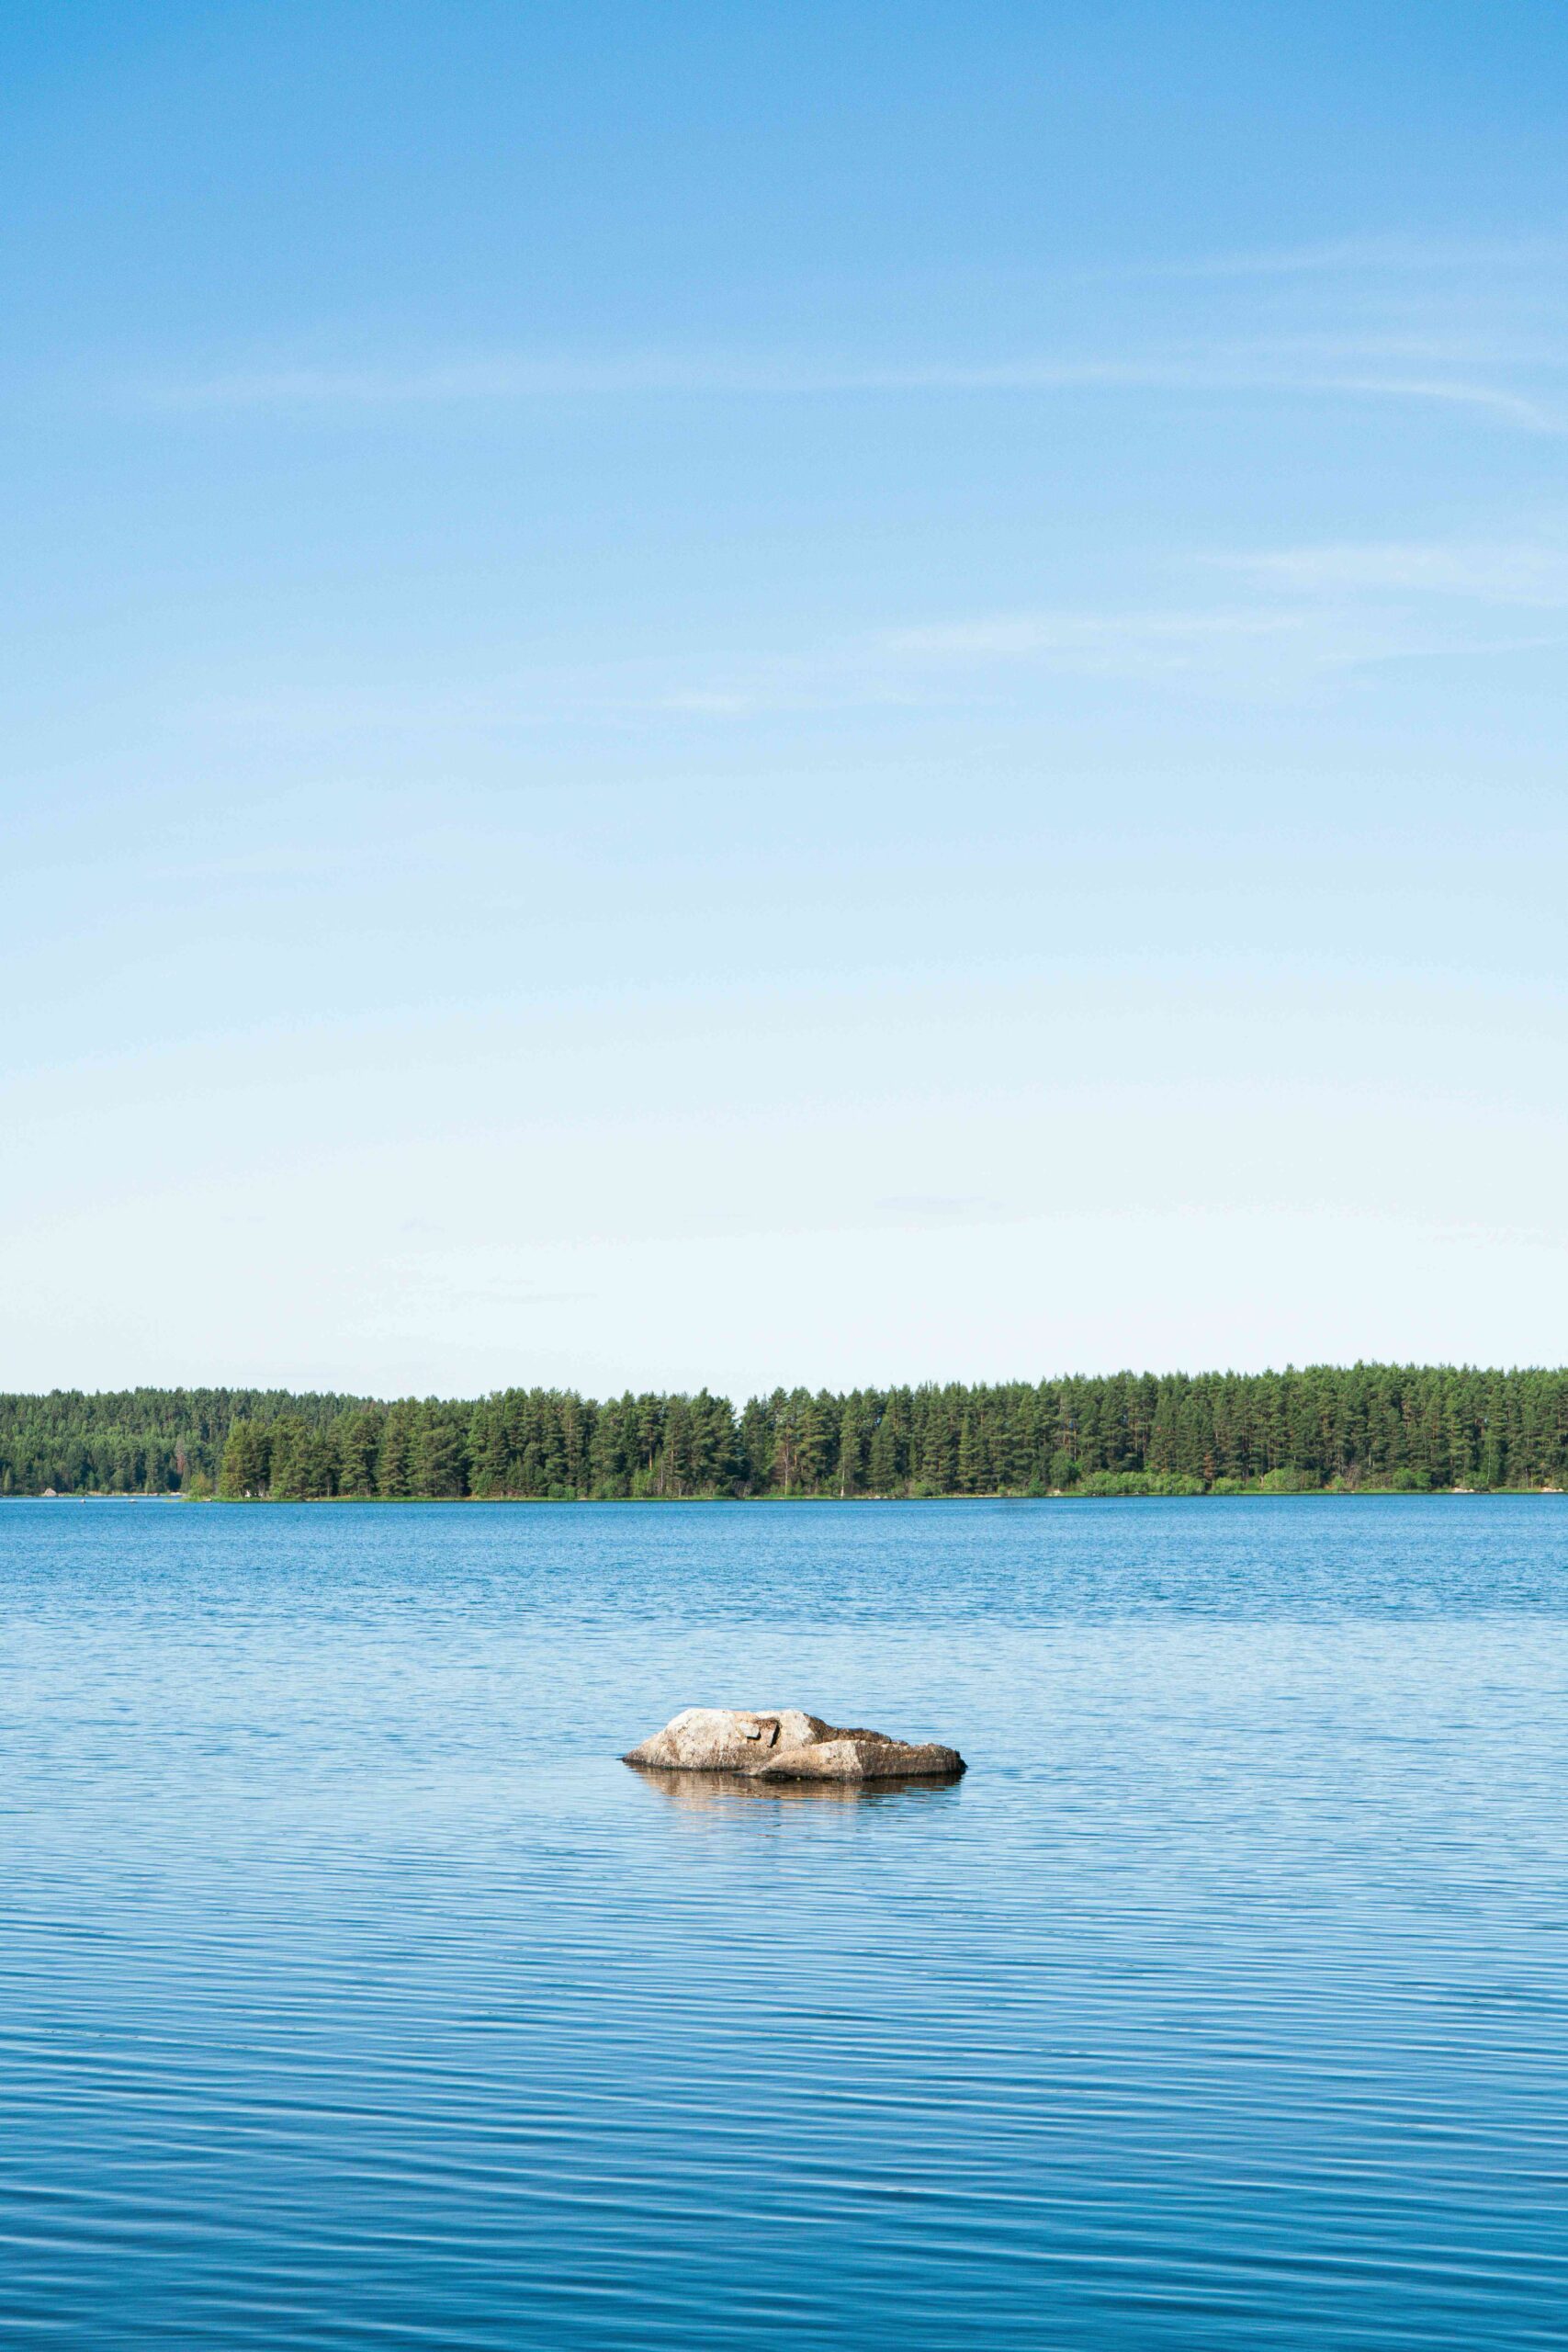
x,y
1408,1429
1140,1482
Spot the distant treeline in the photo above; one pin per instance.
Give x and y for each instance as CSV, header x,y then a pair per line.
x,y
1411,1428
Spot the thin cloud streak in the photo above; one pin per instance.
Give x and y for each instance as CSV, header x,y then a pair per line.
x,y
1255,370
1078,637
1318,622
1520,573
1326,613
1373,255
1510,408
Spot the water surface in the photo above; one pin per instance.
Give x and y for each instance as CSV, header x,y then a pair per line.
x,y
353,1994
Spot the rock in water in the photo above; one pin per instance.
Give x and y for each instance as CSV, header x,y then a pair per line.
x,y
785,1744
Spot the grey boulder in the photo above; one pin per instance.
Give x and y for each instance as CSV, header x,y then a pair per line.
x,y
785,1744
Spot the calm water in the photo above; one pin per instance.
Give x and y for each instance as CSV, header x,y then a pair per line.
x,y
351,1994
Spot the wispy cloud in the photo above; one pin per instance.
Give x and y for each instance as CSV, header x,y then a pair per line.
x,y
1522,574
1088,640
1319,612
1509,407
939,1208
1279,650
499,378
1393,253
1476,325
1340,368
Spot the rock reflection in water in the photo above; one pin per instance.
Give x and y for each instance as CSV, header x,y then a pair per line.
x,y
705,1792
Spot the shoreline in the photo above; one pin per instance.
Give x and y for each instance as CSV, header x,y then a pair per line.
x,y
1059,1494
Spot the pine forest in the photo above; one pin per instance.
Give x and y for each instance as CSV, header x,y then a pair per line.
x,y
1367,1427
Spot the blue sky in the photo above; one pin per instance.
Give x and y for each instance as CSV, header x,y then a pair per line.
x,y
782,693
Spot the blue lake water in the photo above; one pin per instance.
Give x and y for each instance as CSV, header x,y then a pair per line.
x,y
352,1993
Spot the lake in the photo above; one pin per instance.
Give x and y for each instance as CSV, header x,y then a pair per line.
x,y
352,1993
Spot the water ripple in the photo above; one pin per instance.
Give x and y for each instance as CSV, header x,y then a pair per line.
x,y
351,1994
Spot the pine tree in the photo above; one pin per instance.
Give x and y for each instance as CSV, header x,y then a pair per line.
x,y
881,1460
245,1464
435,1454
393,1455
